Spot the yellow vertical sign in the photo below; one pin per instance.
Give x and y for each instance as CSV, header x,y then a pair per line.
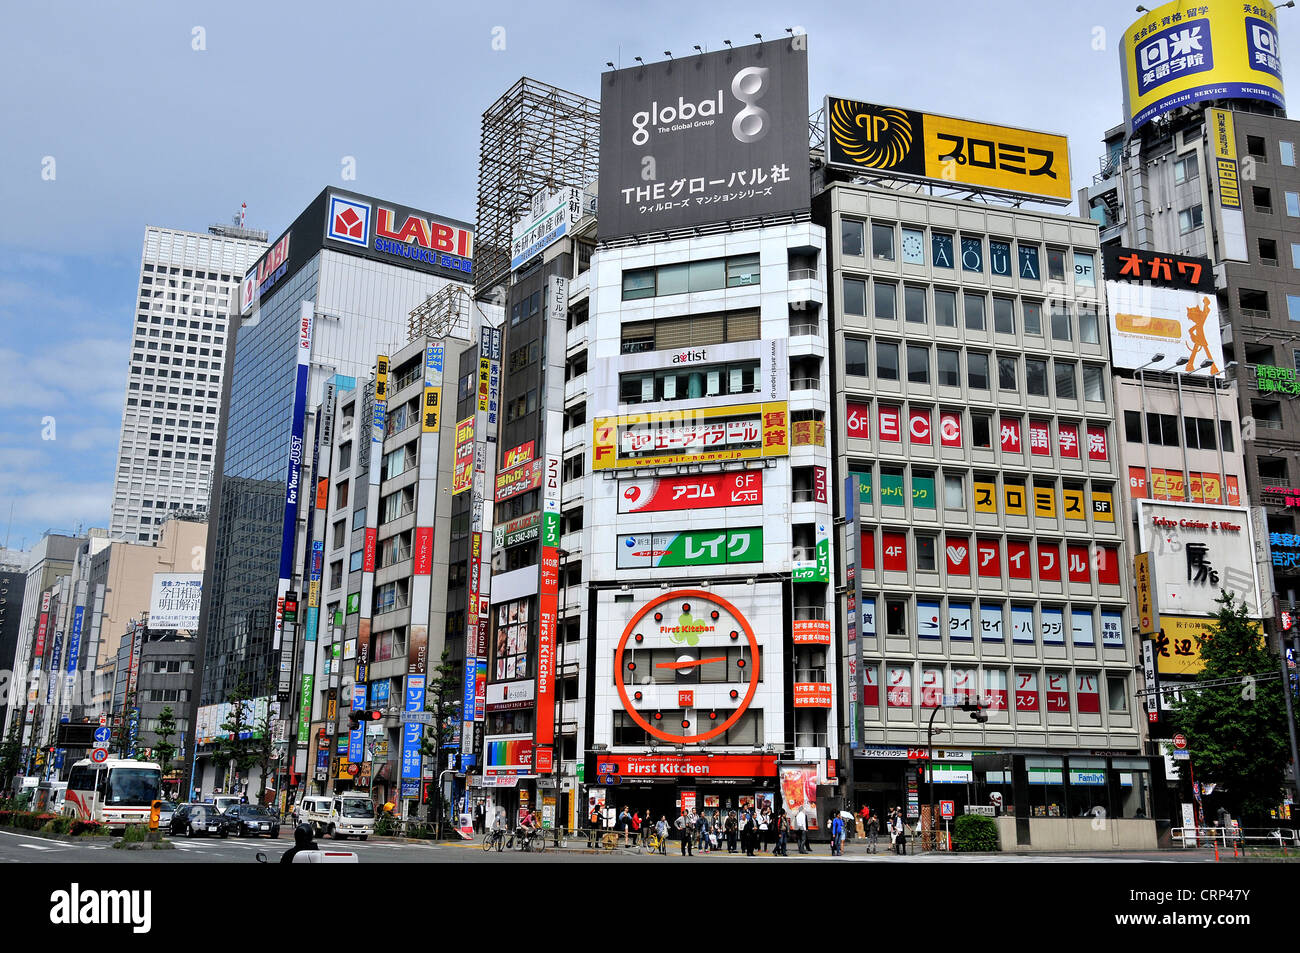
x,y
1225,158
1148,612
430,420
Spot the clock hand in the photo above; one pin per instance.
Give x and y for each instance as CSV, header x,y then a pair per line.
x,y
690,663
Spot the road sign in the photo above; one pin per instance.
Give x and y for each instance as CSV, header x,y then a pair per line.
x,y
103,720
1180,742
947,810
102,735
417,717
607,767
609,779
99,755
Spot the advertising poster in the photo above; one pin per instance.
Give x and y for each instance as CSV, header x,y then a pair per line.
x,y
691,492
1196,552
799,792
697,548
711,434
730,126
174,600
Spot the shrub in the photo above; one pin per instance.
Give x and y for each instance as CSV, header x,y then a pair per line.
x,y
135,834
57,825
86,828
385,825
975,832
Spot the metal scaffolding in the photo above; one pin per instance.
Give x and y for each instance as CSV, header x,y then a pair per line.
x,y
444,313
535,136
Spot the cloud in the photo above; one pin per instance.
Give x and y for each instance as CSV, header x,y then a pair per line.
x,y
65,375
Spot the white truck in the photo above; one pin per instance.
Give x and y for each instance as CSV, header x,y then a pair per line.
x,y
345,815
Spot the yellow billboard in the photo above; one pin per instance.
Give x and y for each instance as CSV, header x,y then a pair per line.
x,y
742,432
979,155
1178,651
1183,53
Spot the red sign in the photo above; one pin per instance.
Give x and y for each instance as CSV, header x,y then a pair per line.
x,y
693,492
1009,431
1096,442
918,426
870,687
686,698
1107,566
544,758
1137,483
322,493
812,632
548,605
819,484
931,687
858,421
895,552
1234,493
867,550
519,480
957,551
1018,563
889,424
692,765
427,233
987,555
1058,692
1067,440
1039,444
950,430
1049,561
518,456
812,694
1180,741
1086,698
995,699
1026,692
368,559
1078,557
423,563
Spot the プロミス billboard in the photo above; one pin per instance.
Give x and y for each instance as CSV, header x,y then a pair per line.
x,y
910,144
716,137
1183,53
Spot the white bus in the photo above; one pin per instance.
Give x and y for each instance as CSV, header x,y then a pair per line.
x,y
116,793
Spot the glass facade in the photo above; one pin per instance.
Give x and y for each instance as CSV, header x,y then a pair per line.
x,y
246,560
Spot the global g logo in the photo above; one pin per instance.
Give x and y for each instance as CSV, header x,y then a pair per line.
x,y
877,137
748,86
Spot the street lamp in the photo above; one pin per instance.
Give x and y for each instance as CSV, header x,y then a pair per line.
x,y
977,714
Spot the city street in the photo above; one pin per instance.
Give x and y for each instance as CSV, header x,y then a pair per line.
x,y
22,848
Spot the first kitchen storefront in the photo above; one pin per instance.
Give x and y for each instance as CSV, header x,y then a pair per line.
x,y
667,784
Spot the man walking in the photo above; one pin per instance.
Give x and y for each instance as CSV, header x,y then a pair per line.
x,y
801,827
837,836
873,832
685,834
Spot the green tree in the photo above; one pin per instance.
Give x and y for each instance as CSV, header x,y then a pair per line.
x,y
163,747
262,746
11,752
229,749
1237,734
442,698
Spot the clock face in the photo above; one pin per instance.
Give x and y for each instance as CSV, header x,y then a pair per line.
x,y
690,650
912,246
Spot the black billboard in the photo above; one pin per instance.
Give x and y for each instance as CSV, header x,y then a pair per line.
x,y
710,138
1157,268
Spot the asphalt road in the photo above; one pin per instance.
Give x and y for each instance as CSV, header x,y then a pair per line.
x,y
16,848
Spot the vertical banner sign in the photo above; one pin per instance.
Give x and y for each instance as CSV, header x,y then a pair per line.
x,y
293,479
411,731
55,654
43,625
1223,144
557,295
378,413
304,708
74,647
357,737
853,505
1148,608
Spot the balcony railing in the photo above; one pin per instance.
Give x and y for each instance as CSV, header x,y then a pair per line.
x,y
811,739
1253,314
799,495
805,383
803,274
809,612
800,328
408,379
810,675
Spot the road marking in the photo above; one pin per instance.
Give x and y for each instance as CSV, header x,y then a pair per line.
x,y
37,847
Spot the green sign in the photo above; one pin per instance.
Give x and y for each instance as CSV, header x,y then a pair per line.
x,y
864,485
304,719
891,489
522,530
701,548
819,569
338,619
1279,380
354,603
551,529
923,492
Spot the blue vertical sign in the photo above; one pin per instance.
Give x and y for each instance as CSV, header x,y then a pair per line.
x,y
55,653
74,647
411,731
357,738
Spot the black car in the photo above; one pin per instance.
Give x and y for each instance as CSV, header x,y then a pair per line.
x,y
252,819
199,820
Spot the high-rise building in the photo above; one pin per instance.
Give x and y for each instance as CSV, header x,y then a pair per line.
x,y
332,292
188,285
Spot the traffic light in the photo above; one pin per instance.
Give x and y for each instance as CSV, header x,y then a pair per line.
x,y
359,716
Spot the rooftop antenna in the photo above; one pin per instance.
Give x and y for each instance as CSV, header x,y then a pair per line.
x,y
11,523
243,211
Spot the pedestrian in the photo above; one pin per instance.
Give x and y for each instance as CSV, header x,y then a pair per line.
x,y
782,833
763,829
801,828
685,833
730,828
624,823
837,836
647,825
661,828
873,832
750,833
900,828
636,827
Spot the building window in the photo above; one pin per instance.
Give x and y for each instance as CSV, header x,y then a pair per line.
x,y
896,617
1133,426
1089,326
1061,323
914,304
925,561
973,305
886,361
855,357
949,368
1189,219
954,491
1288,152
981,430
882,241
1065,389
977,370
1032,313
1092,383
886,294
855,296
918,364
1116,693
1162,430
1199,433
1035,377
851,237
1263,199
1004,315
341,495
945,308
1006,373
1292,203
1293,307
1186,168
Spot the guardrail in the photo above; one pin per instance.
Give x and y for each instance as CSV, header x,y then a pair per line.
x,y
1236,838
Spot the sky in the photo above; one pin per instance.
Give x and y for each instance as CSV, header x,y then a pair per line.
x,y
122,113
